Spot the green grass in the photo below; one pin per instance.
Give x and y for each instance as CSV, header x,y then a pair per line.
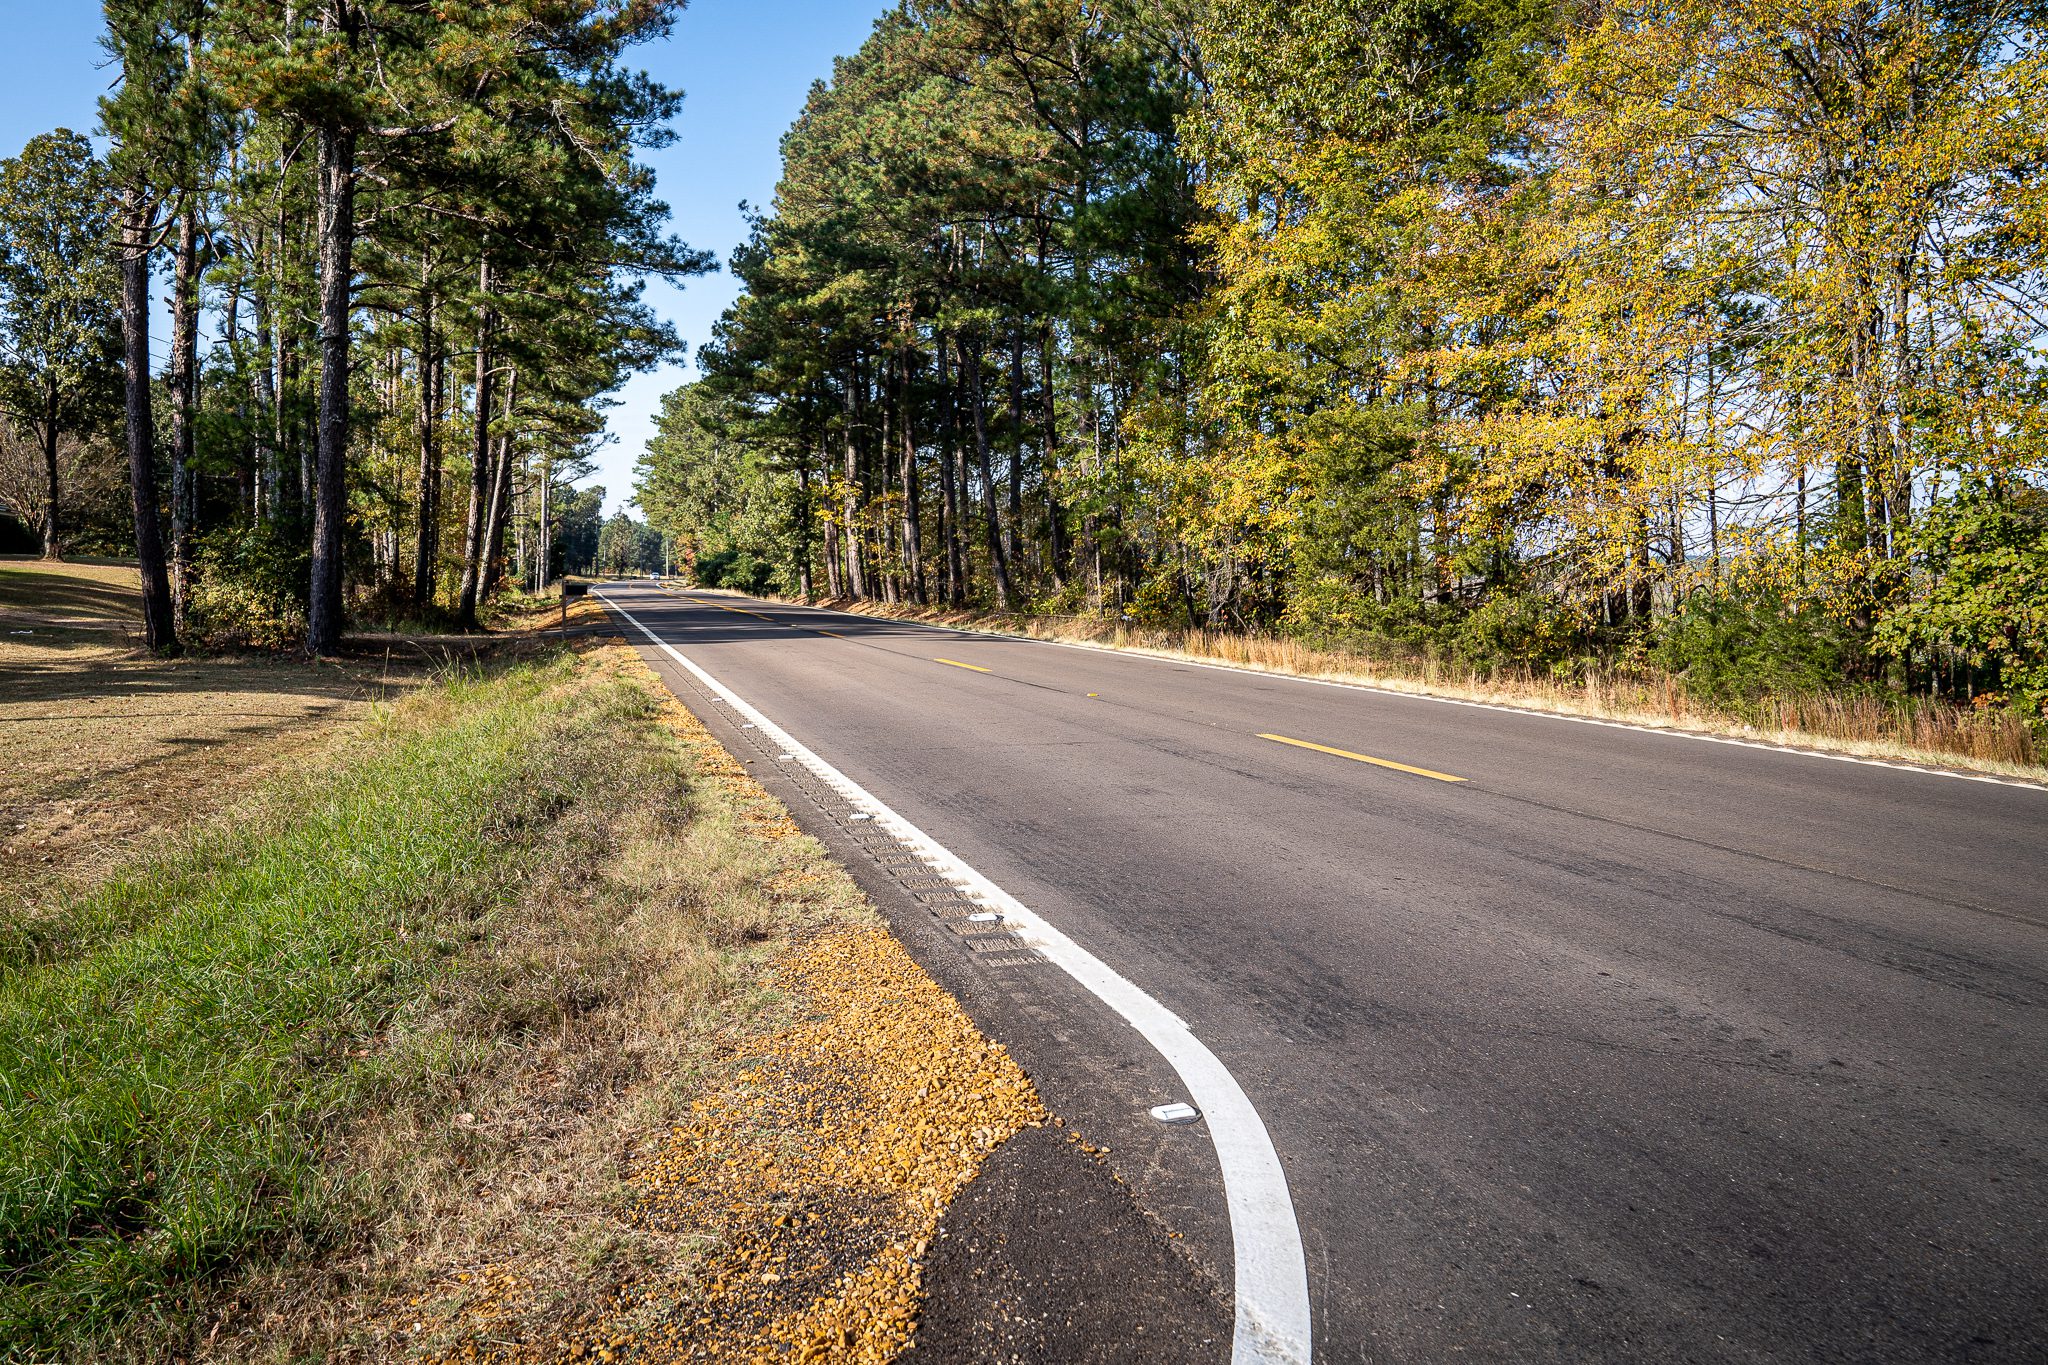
x,y
180,1049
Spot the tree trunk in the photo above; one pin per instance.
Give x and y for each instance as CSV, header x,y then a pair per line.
x,y
53,541
426,549
1055,519
184,385
480,463
913,533
284,436
337,175
804,513
544,552
1016,473
501,492
949,488
856,584
158,623
999,561
265,395
245,466
890,560
1900,502
835,588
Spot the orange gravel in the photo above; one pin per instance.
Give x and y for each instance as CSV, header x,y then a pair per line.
x,y
826,1163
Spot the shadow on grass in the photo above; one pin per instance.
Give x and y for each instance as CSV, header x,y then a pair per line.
x,y
44,593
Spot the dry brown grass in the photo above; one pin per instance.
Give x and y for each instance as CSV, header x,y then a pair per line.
x,y
106,745
578,1027
1912,731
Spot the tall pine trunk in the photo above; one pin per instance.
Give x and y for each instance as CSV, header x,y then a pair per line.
x,y
159,626
1015,507
53,540
337,176
184,385
1048,460
805,512
264,395
834,587
856,584
426,548
501,491
949,494
999,560
913,533
480,463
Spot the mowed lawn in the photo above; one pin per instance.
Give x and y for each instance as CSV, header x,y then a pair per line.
x,y
105,745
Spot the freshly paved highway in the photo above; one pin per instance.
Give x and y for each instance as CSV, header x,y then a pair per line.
x,y
1623,1046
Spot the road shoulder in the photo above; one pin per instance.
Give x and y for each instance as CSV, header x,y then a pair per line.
x,y
1023,1268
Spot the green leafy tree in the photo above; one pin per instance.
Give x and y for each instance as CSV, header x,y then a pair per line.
x,y
150,115
60,321
1977,599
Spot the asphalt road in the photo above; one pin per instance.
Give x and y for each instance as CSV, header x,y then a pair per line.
x,y
1624,1046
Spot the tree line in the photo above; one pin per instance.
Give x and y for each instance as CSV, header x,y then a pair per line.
x,y
1526,334
405,244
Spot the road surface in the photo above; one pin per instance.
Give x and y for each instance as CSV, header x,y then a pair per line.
x,y
1575,1042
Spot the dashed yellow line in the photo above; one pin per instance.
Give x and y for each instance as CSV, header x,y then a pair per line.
x,y
973,668
739,610
814,630
1363,758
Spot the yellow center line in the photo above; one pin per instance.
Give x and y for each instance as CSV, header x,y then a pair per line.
x,y
976,668
1363,758
769,619
742,611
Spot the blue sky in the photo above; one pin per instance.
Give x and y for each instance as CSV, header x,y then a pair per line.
x,y
744,65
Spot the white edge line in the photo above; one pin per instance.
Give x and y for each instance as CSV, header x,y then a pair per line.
x,y
1184,662
1271,1271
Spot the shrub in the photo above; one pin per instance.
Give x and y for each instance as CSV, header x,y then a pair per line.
x,y
735,569
1512,629
1739,650
1982,593
249,587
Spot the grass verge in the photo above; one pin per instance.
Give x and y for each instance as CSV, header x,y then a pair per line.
x,y
176,1046
417,1057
